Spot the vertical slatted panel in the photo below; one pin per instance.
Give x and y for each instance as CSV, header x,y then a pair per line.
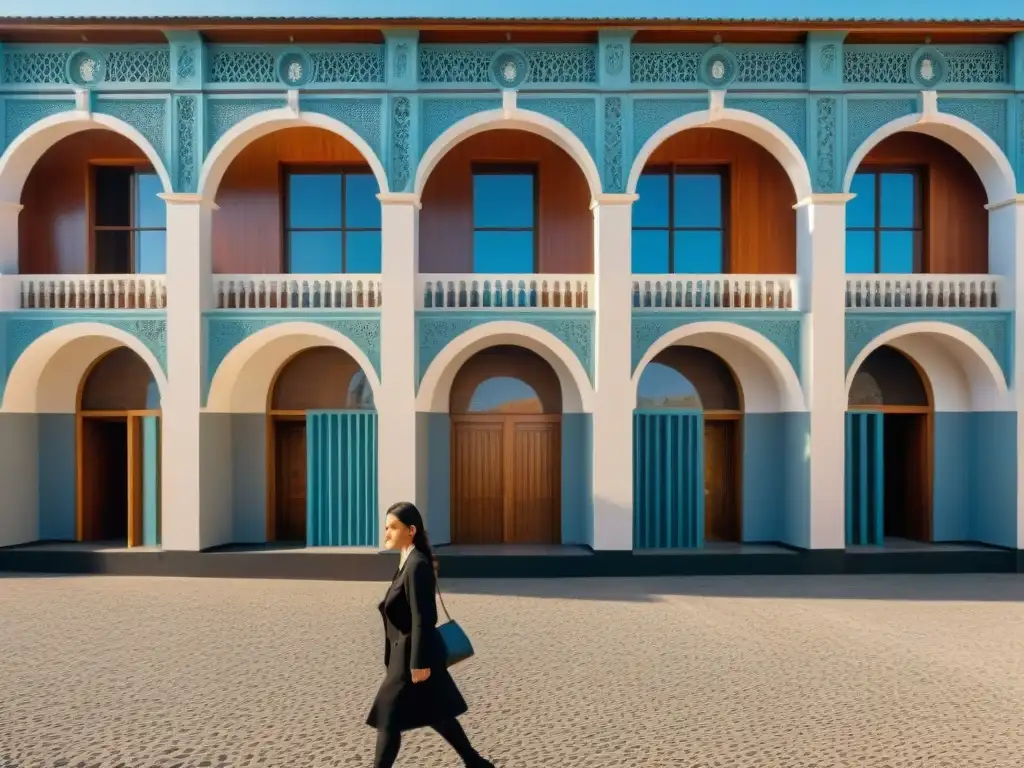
x,y
668,479
865,478
151,481
341,478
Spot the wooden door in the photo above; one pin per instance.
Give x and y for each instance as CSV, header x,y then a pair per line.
x,y
103,487
135,486
506,479
721,513
908,477
290,480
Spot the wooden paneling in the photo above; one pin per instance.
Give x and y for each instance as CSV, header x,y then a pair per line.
x,y
721,512
477,481
248,228
533,494
315,379
956,222
565,224
290,480
53,228
762,222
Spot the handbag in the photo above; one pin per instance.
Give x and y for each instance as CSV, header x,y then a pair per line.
x,y
456,642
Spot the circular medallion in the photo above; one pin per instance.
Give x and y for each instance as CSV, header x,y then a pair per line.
x,y
295,69
509,69
928,67
718,67
86,68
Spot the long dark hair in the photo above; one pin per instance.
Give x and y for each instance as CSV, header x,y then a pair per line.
x,y
408,515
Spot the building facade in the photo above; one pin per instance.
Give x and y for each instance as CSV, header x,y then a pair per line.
x,y
625,286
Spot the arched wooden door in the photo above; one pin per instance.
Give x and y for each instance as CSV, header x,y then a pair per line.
x,y
316,379
889,451
687,472
118,452
506,450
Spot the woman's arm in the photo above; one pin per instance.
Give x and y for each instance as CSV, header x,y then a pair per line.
x,y
424,612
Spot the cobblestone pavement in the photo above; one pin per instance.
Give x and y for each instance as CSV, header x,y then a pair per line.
x,y
846,672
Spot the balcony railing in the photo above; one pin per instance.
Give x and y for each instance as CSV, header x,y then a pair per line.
x,y
923,291
297,291
93,291
715,292
506,291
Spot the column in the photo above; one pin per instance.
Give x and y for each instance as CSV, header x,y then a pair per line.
x,y
10,282
185,524
821,264
398,472
612,469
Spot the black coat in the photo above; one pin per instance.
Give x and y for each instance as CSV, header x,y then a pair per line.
x,y
411,641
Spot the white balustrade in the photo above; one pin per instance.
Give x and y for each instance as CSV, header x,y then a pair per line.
x,y
338,291
93,292
923,291
715,292
506,291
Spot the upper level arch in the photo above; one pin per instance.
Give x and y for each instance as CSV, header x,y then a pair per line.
x,y
515,119
505,379
320,378
119,380
691,378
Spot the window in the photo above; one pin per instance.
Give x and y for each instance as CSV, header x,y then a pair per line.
x,y
884,223
332,222
679,222
129,222
504,216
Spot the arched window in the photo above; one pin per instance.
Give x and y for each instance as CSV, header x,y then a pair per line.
x,y
887,377
688,378
321,378
506,380
119,381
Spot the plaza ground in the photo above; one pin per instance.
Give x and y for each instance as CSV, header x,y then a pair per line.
x,y
794,672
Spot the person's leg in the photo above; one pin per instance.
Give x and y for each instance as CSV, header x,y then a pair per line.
x,y
388,744
452,732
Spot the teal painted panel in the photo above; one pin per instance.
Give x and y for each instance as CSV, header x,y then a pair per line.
x,y
668,479
57,475
764,476
341,478
992,450
248,478
865,478
797,520
151,481
952,446
438,430
577,494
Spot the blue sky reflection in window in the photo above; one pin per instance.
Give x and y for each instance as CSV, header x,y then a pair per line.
x,y
505,394
503,223
883,223
662,386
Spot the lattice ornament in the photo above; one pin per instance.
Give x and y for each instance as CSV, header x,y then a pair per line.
x,y
296,68
926,67
146,115
87,67
579,115
19,114
750,65
552,64
988,114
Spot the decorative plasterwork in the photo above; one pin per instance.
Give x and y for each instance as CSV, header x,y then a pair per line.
x,y
223,114
361,115
146,115
401,141
19,114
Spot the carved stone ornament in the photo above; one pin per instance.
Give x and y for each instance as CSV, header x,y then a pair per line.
x,y
295,69
509,69
718,68
928,67
86,68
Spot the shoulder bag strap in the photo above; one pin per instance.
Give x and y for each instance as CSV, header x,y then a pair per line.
x,y
437,583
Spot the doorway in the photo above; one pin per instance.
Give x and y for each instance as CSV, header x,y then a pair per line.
x,y
290,461
721,512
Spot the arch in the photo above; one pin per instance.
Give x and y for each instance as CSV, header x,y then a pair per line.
x,y
963,373
247,131
984,155
506,380
435,387
46,376
688,377
24,152
747,124
767,380
888,377
118,381
294,385
518,119
243,380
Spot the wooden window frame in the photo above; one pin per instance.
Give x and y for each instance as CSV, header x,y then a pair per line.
x,y
287,170
92,197
680,169
510,169
919,228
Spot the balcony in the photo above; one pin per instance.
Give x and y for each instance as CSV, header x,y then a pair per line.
x,y
715,292
335,291
506,292
924,292
92,291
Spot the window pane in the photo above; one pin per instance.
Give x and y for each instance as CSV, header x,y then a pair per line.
x,y
151,252
503,253
150,210
504,394
860,212
113,197
503,200
362,208
362,252
698,200
662,386
651,210
314,253
897,206
113,252
897,252
360,395
860,253
314,200
650,251
698,252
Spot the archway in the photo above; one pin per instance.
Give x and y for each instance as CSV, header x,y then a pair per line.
x,y
506,449
321,451
118,452
687,451
889,444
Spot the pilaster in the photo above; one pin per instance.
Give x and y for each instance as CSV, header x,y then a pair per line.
x,y
402,58
613,62
9,281
825,60
615,397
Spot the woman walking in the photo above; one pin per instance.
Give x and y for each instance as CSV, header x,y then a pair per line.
x,y
417,690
